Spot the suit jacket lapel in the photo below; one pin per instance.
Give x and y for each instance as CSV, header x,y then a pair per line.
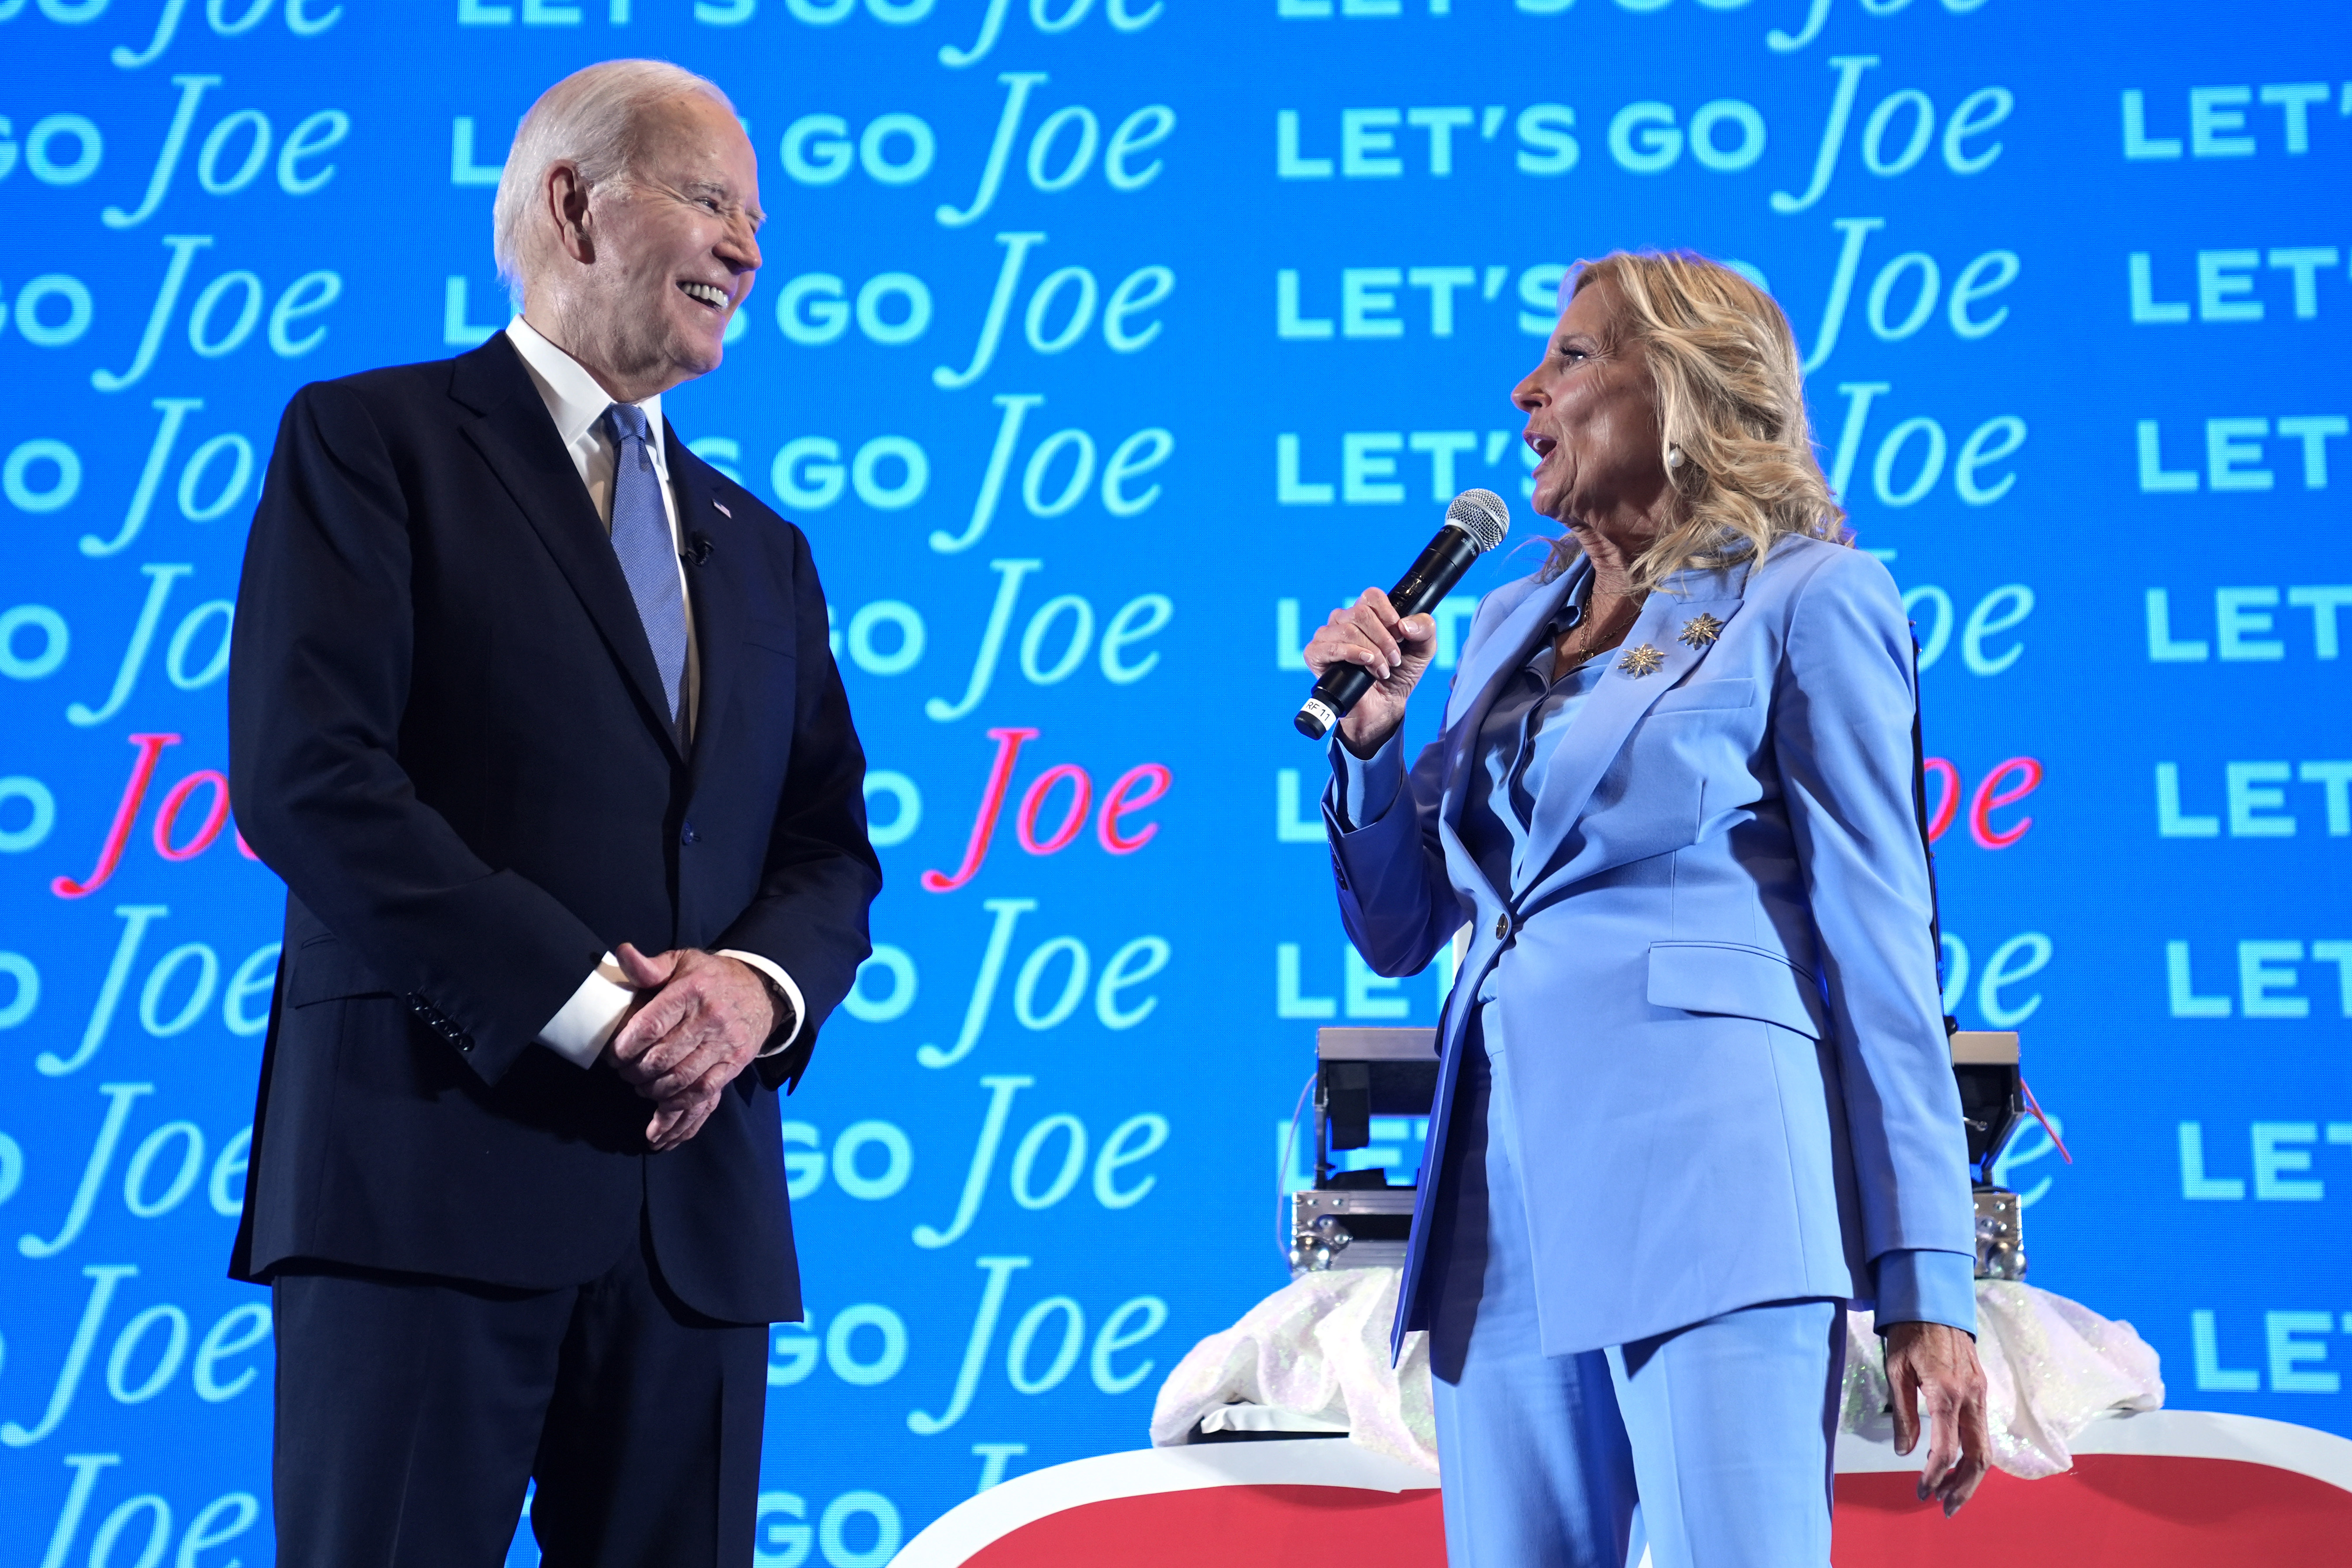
x,y
1621,698
1482,677
517,439
715,592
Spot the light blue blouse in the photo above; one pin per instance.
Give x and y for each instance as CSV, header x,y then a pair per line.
x,y
1531,714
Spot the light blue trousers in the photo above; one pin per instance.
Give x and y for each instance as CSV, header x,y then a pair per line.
x,y
1711,1445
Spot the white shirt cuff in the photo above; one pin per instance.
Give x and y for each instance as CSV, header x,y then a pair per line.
x,y
582,1026
784,984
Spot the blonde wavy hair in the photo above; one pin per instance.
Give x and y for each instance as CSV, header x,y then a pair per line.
x,y
1724,365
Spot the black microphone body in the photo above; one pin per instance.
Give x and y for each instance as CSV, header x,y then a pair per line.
x,y
1431,578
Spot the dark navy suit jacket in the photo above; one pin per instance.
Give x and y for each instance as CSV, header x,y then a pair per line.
x,y
448,735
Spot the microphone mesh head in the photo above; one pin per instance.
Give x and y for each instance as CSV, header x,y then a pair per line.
x,y
1482,515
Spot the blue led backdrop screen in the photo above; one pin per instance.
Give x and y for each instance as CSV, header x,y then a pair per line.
x,y
1101,348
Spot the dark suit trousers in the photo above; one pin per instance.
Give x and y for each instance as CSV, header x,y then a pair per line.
x,y
411,1410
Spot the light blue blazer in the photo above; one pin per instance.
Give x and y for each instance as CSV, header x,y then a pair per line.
x,y
1717,982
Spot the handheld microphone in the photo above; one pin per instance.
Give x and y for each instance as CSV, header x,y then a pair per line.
x,y
1475,524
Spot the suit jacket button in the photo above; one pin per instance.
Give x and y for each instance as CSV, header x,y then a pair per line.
x,y
687,834
1502,926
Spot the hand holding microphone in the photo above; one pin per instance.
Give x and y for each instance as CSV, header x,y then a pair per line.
x,y
1394,649
1369,656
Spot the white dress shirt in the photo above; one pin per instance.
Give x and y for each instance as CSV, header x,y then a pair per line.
x,y
582,1026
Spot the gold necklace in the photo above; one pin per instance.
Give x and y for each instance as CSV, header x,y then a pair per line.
x,y
1588,655
1584,627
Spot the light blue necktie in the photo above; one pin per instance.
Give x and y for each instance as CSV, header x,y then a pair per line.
x,y
641,538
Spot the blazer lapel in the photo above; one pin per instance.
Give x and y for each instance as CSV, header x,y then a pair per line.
x,y
1482,677
714,590
1623,696
517,439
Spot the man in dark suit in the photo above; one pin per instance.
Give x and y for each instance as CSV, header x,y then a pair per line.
x,y
534,713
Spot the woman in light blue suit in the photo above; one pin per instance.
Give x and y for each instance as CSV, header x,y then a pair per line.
x,y
1696,1097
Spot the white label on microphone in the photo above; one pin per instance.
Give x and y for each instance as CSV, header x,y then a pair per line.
x,y
1315,707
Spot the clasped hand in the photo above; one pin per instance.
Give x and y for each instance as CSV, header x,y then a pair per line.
x,y
700,1018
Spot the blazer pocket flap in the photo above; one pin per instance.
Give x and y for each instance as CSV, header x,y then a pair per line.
x,y
1742,981
1708,696
329,972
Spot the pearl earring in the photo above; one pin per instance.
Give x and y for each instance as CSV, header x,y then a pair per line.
x,y
1673,456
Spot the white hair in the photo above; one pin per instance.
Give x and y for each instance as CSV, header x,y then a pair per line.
x,y
590,119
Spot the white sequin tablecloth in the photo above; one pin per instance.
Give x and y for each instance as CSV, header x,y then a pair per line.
x,y
1317,1352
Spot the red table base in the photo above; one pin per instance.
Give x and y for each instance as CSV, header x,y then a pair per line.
x,y
2111,1511
1284,1525
2182,1489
